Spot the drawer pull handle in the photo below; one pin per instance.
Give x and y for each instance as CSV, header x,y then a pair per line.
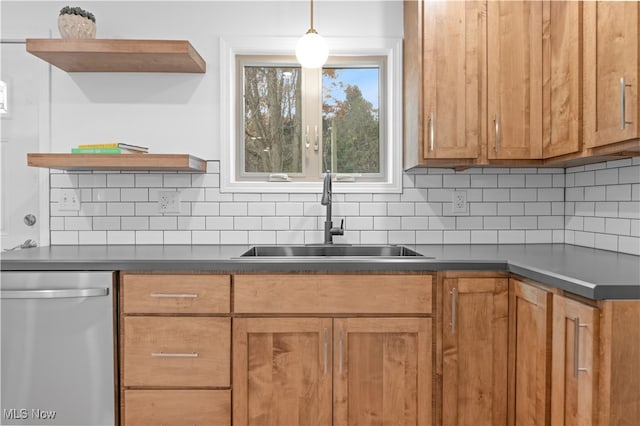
x,y
576,347
325,345
174,296
174,355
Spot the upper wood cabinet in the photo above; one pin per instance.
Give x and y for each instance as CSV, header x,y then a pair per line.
x,y
514,93
562,78
454,74
611,71
474,347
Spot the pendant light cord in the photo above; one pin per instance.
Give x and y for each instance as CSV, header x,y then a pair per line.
x,y
311,30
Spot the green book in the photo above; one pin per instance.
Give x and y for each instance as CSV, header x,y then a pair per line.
x,y
99,151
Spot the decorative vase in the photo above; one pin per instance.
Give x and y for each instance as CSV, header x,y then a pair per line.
x,y
76,26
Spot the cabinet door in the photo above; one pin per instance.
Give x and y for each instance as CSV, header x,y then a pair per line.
x,y
514,93
574,358
529,354
382,371
562,107
454,78
474,363
282,371
611,53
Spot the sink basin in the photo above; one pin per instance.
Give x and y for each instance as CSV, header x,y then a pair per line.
x,y
330,251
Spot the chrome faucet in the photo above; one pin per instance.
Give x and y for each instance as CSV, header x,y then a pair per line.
x,y
329,230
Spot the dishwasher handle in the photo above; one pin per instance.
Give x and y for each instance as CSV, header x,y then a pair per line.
x,y
54,294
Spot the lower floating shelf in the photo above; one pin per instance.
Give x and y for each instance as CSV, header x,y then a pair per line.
x,y
104,162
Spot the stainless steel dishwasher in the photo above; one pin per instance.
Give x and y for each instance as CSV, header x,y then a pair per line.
x,y
57,356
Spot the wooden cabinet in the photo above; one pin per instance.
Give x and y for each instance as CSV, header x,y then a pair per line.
x,y
520,83
611,72
562,78
175,349
474,348
574,375
514,73
454,79
530,323
572,361
329,369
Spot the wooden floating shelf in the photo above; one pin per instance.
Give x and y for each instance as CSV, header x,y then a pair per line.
x,y
116,55
104,162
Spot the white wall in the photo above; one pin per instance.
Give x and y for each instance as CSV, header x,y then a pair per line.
x,y
173,113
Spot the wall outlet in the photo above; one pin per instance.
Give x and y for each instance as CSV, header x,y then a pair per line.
x,y
69,200
459,202
169,201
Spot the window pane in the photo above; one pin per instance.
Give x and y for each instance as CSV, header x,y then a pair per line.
x,y
272,120
350,120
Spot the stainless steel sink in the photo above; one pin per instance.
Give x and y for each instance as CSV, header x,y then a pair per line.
x,y
330,251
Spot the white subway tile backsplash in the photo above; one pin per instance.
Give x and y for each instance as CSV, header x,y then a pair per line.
x,y
457,237
92,237
484,237
163,223
105,194
134,194
619,193
121,237
590,205
148,180
495,195
456,181
400,209
511,181
617,226
629,245
177,237
120,180
119,209
191,223
149,237
205,237
106,223
178,180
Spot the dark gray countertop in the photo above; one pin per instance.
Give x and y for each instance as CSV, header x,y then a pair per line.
x,y
592,273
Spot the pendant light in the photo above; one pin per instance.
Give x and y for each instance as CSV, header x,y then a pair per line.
x,y
312,50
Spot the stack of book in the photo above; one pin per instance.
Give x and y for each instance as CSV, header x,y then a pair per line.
x,y
109,148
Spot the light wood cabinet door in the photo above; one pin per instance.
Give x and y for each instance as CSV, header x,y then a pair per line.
x,y
574,360
382,371
514,92
454,79
562,78
611,53
474,362
282,371
529,355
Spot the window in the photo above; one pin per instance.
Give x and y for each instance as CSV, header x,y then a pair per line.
x,y
287,125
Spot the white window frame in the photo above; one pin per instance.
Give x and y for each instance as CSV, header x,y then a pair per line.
x,y
230,48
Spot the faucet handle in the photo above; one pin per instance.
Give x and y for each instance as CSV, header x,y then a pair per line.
x,y
338,231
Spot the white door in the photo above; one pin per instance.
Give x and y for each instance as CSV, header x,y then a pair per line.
x,y
24,128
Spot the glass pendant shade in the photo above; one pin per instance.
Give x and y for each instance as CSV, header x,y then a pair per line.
x,y
312,50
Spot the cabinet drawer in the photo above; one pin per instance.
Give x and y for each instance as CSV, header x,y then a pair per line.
x,y
324,294
196,294
176,351
177,407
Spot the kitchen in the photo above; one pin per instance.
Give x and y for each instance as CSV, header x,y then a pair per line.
x,y
558,226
